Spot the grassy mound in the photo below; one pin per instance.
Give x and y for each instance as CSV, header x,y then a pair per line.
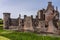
x,y
13,35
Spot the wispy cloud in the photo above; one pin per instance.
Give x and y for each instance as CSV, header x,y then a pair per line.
x,y
28,7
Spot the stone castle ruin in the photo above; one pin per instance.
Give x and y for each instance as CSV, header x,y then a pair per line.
x,y
46,21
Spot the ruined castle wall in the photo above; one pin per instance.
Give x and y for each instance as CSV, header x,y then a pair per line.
x,y
21,25
41,25
28,24
13,27
14,22
45,21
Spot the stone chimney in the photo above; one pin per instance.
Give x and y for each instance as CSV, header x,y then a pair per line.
x,y
19,19
49,3
25,16
56,8
31,16
50,6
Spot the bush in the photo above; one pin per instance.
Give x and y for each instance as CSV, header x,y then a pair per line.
x,y
1,21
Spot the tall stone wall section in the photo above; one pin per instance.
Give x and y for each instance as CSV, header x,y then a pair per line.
x,y
6,20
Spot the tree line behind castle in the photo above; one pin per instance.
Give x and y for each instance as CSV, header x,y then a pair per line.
x,y
46,21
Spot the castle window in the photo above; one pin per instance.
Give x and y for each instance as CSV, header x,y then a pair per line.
x,y
46,26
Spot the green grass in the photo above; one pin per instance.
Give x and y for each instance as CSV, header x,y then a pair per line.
x,y
13,35
3,38
1,21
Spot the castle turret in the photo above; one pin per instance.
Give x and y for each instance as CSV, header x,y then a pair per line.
x,y
32,16
25,16
6,20
19,19
20,23
57,14
40,14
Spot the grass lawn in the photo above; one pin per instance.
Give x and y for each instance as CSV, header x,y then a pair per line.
x,y
13,35
3,38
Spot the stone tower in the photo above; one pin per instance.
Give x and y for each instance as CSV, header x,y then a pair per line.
x,y
51,18
6,22
28,23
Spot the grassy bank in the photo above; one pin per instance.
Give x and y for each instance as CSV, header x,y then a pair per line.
x,y
13,35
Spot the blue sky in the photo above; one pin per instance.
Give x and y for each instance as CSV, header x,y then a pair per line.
x,y
24,7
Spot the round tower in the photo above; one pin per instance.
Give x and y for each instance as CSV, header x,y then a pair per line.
x,y
6,20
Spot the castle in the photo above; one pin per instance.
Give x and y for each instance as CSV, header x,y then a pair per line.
x,y
46,21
